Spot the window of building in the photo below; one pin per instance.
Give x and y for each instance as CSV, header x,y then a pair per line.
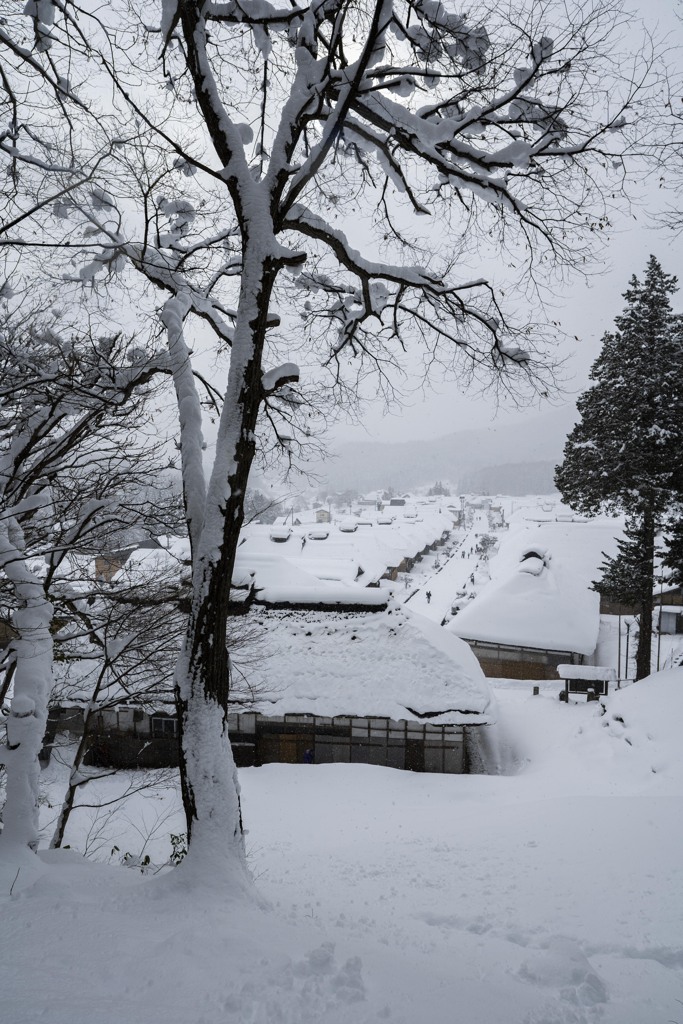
x,y
164,728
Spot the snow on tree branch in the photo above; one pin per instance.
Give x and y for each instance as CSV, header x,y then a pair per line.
x,y
408,148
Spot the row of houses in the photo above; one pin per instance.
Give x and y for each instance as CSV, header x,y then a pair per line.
x,y
362,549
343,671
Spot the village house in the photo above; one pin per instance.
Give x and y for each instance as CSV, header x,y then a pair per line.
x,y
379,686
539,610
668,608
121,735
108,563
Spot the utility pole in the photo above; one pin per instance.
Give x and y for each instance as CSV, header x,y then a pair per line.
x,y
659,619
628,635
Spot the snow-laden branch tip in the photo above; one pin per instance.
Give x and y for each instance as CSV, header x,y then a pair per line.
x,y
276,378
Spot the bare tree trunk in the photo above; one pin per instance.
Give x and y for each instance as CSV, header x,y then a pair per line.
x,y
32,683
70,795
75,779
208,776
644,652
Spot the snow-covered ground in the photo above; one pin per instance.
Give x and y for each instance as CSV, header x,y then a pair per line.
x,y
548,894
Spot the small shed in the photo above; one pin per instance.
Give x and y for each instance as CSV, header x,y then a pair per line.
x,y
591,680
670,618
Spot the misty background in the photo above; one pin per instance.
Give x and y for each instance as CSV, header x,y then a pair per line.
x,y
505,457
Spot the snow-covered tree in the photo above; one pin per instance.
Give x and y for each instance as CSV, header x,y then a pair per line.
x,y
323,177
68,403
117,645
673,546
626,452
258,507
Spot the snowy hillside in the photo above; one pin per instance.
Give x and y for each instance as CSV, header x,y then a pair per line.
x,y
547,894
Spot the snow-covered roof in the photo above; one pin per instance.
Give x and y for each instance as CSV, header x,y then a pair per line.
x,y
552,608
279,581
363,555
144,562
394,664
590,672
293,563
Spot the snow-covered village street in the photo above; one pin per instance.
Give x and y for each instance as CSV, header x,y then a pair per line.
x,y
446,576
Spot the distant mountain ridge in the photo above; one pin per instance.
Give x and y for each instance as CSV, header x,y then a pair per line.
x,y
515,478
525,451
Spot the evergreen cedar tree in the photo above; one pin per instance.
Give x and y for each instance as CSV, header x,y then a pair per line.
x,y
626,453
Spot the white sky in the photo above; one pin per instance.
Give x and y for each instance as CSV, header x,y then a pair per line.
x,y
585,311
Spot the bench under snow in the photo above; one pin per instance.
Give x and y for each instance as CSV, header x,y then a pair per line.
x,y
593,680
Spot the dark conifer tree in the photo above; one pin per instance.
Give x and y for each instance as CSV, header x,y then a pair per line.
x,y
673,552
628,578
626,452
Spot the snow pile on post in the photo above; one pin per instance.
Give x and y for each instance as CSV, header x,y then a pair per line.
x,y
598,673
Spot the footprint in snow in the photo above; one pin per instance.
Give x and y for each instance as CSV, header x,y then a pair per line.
x,y
562,965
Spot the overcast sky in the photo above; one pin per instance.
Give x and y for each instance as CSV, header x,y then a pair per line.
x,y
584,310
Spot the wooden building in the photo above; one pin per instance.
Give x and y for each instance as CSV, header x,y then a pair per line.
x,y
383,686
375,684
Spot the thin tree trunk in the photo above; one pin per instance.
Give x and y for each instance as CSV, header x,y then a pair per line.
x,y
32,684
75,780
209,782
644,652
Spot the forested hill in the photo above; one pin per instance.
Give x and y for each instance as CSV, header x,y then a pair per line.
x,y
512,458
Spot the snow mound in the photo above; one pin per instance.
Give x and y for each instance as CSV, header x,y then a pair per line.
x,y
648,718
629,742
